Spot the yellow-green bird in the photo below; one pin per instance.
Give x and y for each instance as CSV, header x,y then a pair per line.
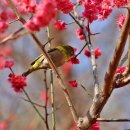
x,y
59,56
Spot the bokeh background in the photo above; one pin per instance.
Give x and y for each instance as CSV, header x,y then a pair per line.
x,y
18,114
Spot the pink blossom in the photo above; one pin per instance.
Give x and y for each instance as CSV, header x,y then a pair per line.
x,y
18,82
90,11
121,21
74,60
73,83
80,34
119,3
9,63
3,26
97,52
45,12
96,126
104,12
121,70
60,25
66,6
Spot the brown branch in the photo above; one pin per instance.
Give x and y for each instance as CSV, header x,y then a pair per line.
x,y
122,83
129,55
85,123
113,120
52,65
12,36
127,72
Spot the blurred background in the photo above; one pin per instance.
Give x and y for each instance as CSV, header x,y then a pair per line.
x,y
18,114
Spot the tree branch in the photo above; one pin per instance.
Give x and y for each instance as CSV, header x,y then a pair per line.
x,y
52,65
85,123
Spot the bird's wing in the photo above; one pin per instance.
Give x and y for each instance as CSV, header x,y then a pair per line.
x,y
49,51
36,59
52,50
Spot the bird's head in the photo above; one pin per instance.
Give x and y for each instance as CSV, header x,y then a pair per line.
x,y
67,51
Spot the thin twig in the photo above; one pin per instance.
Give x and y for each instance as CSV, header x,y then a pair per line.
x,y
46,100
90,95
33,103
13,21
70,23
49,40
123,60
29,99
75,20
52,65
52,88
56,108
11,36
11,70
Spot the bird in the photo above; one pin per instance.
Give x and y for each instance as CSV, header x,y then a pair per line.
x,y
59,55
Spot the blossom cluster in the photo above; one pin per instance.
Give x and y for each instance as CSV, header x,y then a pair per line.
x,y
3,21
46,11
100,9
18,82
5,52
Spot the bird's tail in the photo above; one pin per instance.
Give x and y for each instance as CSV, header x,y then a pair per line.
x,y
30,70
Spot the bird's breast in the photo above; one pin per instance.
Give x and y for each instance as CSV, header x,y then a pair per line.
x,y
57,58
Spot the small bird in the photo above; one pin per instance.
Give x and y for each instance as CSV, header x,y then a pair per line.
x,y
59,56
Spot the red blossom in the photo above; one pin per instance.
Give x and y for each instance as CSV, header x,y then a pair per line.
x,y
9,63
87,53
73,83
4,15
66,6
74,60
31,26
104,12
96,126
75,49
3,125
3,26
80,34
27,5
121,21
45,12
97,52
18,82
119,3
2,62
74,127
60,25
121,70
90,11
4,53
